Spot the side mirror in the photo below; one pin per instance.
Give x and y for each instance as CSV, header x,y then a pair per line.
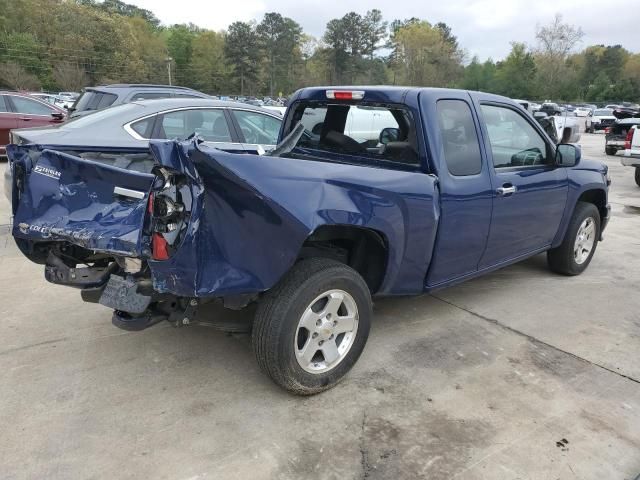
x,y
389,134
58,115
567,155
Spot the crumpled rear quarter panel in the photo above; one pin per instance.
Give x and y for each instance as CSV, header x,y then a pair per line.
x,y
251,215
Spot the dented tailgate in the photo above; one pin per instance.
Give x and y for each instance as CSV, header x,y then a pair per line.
x,y
60,197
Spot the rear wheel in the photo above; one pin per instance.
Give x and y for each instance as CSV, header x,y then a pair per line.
x,y
638,176
610,150
575,252
311,328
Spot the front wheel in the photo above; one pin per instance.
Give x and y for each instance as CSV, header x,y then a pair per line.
x,y
575,252
311,328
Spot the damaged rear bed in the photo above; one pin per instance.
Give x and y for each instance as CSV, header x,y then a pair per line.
x,y
154,234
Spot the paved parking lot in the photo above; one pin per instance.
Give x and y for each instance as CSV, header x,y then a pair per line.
x,y
521,374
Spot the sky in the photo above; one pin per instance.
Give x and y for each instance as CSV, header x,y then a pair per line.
x,y
484,27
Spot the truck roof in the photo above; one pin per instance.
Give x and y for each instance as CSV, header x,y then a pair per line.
x,y
383,93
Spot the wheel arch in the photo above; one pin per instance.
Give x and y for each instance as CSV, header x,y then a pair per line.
x,y
366,250
594,194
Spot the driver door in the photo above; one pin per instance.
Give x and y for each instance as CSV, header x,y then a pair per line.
x,y
529,192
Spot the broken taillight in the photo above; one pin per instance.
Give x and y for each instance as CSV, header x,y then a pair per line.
x,y
627,141
159,250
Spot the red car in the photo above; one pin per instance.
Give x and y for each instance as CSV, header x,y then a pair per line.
x,y
20,110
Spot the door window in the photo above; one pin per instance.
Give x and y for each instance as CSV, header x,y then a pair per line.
x,y
258,128
459,139
30,107
514,141
211,125
143,127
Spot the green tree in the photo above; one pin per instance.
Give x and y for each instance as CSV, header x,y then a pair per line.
x,y
180,46
280,39
515,75
242,53
424,57
479,76
207,69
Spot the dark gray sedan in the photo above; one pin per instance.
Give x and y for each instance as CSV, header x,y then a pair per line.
x,y
229,126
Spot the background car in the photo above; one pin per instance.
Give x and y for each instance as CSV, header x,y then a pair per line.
x,y
98,98
18,110
599,119
582,111
229,126
616,134
57,100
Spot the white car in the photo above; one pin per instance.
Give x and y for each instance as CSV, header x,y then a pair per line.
x,y
631,156
600,119
582,111
52,99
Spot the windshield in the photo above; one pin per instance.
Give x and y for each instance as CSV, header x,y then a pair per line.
x,y
603,112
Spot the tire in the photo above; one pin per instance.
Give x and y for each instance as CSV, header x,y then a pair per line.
x,y
280,340
610,150
565,259
638,176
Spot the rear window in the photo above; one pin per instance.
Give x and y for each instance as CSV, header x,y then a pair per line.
x,y
149,95
3,104
602,113
91,100
371,131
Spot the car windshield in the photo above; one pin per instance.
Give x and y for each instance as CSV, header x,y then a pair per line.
x,y
602,112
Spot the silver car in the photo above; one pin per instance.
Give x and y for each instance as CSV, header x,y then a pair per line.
x,y
230,126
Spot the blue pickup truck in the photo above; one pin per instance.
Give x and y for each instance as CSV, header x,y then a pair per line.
x,y
370,191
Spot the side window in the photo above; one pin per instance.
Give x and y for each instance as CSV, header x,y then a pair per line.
x,y
143,127
211,125
459,139
3,104
514,142
30,107
258,128
149,95
105,100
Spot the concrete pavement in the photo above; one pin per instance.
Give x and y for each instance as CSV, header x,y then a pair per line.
x,y
521,374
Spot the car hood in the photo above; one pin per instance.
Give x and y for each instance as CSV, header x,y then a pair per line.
x,y
593,165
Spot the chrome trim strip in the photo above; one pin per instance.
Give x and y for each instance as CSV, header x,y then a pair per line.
x,y
127,192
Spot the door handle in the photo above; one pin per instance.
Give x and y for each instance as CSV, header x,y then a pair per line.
x,y
506,189
25,119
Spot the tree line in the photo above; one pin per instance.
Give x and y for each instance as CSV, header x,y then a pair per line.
x,y
69,44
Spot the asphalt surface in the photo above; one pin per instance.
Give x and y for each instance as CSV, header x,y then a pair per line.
x,y
521,374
